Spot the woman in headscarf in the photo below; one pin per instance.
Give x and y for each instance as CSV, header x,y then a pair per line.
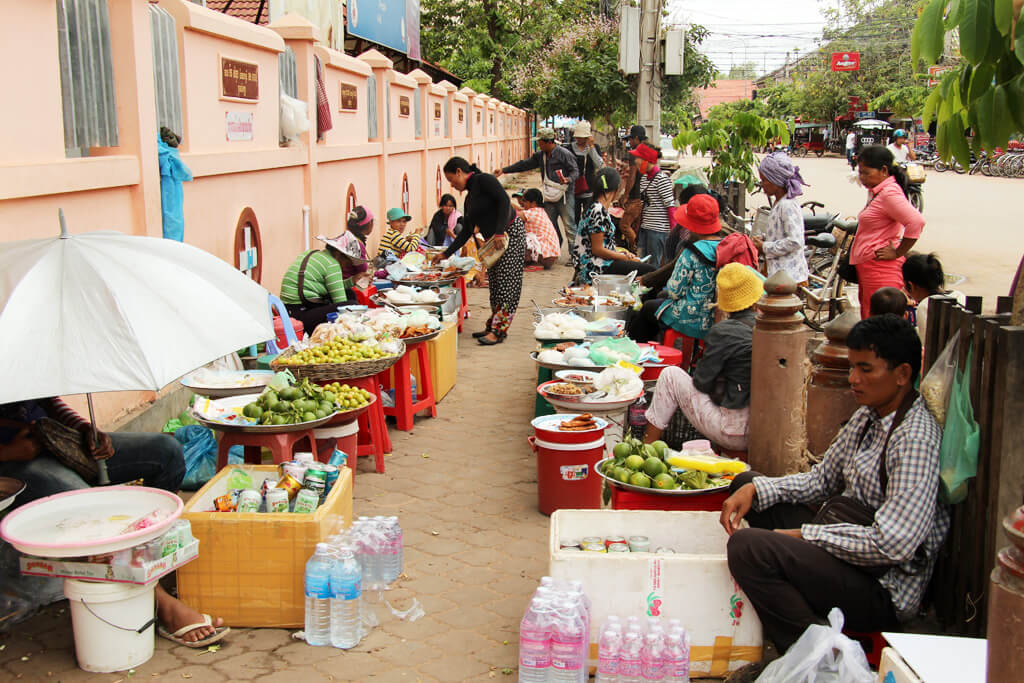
x,y
783,241
446,223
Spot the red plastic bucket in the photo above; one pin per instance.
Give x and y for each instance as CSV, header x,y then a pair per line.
x,y
566,478
545,428
279,333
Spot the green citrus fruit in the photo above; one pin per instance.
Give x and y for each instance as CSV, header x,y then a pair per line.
x,y
634,462
661,447
622,450
664,481
653,466
640,479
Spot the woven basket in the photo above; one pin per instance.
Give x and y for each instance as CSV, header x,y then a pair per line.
x,y
329,372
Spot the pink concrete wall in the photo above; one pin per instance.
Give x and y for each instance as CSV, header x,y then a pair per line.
x,y
118,188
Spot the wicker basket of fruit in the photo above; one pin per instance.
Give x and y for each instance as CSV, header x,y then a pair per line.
x,y
338,359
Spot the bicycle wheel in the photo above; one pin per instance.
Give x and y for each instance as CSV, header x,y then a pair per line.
x,y
940,166
917,201
958,167
986,169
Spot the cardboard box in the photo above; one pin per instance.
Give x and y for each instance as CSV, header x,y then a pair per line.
x,y
693,585
441,350
252,567
109,573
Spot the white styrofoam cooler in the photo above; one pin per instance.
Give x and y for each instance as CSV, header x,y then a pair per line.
x,y
693,585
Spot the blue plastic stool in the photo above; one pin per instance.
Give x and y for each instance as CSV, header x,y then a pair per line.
x,y
289,331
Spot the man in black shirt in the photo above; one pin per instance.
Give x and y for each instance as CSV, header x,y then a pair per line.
x,y
632,204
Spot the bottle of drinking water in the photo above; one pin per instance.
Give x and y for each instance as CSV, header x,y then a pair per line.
x,y
652,667
368,545
567,653
677,658
535,642
609,651
392,535
318,596
346,601
399,545
630,665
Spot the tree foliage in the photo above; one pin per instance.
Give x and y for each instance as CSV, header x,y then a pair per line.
x,y
986,92
731,136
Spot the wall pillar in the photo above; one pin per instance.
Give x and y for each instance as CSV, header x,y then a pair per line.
x,y
777,387
423,82
830,403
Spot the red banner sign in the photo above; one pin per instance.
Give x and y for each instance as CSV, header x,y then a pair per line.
x,y
845,61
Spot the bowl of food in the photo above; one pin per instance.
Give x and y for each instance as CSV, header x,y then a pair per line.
x,y
563,391
584,379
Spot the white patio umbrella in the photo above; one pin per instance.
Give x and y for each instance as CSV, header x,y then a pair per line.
x,y
872,123
104,311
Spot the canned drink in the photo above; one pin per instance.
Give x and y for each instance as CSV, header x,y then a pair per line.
x,y
304,458
591,539
665,550
315,480
154,550
332,472
226,503
618,548
639,544
571,543
306,502
614,539
572,549
249,501
169,543
291,485
594,548
277,500
294,469
184,530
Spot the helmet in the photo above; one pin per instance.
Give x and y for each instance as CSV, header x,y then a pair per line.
x,y
899,133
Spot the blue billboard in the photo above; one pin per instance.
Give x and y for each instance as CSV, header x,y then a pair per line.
x,y
390,23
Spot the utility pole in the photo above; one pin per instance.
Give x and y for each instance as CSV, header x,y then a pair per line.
x,y
648,100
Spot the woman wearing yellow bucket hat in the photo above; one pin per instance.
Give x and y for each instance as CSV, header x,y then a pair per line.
x,y
716,399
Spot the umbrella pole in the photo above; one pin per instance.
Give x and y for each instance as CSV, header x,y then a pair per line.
x,y
104,478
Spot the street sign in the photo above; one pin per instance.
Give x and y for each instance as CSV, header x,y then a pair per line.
x,y
864,114
845,61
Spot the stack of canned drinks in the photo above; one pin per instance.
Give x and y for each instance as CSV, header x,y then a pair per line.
x,y
613,544
302,487
177,537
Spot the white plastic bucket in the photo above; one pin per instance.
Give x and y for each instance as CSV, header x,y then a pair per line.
x,y
113,624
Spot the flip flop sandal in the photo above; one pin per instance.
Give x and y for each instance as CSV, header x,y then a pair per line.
x,y
177,638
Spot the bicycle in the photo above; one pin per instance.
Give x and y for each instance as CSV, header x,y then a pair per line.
x,y
823,295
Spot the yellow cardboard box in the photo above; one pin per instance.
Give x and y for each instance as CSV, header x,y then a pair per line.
x,y
252,565
441,351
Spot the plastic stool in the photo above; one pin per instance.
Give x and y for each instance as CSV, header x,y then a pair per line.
x,y
406,406
344,438
873,644
373,430
281,445
363,295
692,348
277,307
464,302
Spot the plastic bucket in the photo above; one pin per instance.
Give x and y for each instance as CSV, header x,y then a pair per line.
x,y
346,439
113,624
545,428
565,474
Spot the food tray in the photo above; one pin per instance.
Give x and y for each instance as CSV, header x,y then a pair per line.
x,y
601,406
381,300
564,366
222,392
445,281
660,492
422,338
9,490
346,416
552,340
329,372
243,428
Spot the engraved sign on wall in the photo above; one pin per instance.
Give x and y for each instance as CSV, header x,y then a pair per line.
x,y
403,105
349,97
437,110
239,80
239,125
462,114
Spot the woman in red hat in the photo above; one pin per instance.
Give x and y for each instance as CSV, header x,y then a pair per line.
x,y
656,193
686,304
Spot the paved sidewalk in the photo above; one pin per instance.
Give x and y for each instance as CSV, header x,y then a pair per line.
x,y
464,488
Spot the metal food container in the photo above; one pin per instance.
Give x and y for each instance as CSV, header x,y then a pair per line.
x,y
592,313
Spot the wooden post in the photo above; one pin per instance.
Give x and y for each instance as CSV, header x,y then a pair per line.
x,y
778,382
830,403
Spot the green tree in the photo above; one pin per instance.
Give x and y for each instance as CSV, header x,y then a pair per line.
x,y
731,139
904,101
746,70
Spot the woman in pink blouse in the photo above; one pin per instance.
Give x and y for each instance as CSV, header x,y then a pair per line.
x,y
887,227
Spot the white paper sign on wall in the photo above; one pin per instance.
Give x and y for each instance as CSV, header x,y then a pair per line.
x,y
239,125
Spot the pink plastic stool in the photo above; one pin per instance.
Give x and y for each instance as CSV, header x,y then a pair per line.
x,y
281,445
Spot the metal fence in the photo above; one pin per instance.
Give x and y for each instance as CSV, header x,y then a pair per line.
x,y
371,107
166,77
86,75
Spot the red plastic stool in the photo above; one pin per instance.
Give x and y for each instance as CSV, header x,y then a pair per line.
x,y
669,356
464,305
363,295
281,445
692,349
406,406
373,431
873,644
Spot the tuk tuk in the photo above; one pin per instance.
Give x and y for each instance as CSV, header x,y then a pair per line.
x,y
809,137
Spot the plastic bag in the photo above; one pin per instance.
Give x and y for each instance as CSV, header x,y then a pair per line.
x,y
938,383
958,454
821,655
611,351
294,117
281,380
619,382
200,447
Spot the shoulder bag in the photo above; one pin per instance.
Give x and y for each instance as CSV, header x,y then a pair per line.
x,y
551,190
849,510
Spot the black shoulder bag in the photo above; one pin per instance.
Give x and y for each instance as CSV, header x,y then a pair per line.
x,y
306,303
849,510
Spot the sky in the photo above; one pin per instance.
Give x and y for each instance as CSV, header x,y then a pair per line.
x,y
759,31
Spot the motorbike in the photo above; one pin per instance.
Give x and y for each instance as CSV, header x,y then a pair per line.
x,y
915,183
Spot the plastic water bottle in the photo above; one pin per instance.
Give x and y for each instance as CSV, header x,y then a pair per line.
x,y
677,658
346,600
609,651
400,545
392,548
652,664
567,643
630,665
535,642
318,596
368,547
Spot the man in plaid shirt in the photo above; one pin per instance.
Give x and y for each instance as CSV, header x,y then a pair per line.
x,y
794,571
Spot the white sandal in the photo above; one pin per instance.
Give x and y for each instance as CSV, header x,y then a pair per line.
x,y
176,637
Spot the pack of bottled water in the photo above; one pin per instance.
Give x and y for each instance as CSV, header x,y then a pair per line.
x,y
638,651
368,556
554,636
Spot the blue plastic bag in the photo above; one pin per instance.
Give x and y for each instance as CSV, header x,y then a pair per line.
x,y
200,447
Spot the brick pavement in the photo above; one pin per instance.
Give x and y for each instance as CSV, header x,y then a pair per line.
x,y
464,488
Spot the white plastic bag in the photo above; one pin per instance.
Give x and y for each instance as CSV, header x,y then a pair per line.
x,y
619,382
294,117
938,383
821,655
